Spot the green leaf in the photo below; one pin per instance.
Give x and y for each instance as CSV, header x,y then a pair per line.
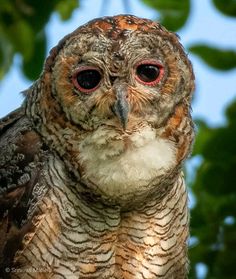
x,y
66,8
203,134
20,23
33,67
214,189
173,14
214,57
227,7
21,36
231,114
6,55
36,13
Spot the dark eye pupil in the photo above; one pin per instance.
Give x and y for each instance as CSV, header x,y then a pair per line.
x,y
148,72
88,79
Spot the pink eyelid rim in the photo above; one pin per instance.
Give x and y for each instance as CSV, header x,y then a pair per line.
x,y
75,82
150,62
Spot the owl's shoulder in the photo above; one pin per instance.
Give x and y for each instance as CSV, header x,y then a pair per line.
x,y
20,148
22,155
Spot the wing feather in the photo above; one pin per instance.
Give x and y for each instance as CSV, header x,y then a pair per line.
x,y
21,160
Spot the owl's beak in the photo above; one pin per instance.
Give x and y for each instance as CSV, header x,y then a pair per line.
x,y
121,105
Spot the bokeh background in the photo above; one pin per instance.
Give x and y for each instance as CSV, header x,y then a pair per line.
x,y
207,28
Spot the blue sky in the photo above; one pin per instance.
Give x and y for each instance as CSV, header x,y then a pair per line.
x,y
215,89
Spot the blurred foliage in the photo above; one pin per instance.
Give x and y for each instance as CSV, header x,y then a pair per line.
x,y
227,7
22,31
173,14
217,58
213,218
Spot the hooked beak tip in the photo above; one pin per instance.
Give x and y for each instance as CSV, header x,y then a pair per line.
x,y
121,110
121,106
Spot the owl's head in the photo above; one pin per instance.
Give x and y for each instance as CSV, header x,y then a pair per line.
x,y
114,100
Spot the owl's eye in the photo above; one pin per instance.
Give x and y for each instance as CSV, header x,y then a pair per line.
x,y
149,73
87,79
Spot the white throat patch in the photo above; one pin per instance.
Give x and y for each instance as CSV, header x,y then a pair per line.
x,y
118,167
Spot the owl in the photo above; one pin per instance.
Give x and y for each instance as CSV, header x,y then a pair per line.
x,y
91,182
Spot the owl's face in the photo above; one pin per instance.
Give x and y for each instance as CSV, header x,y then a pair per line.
x,y
117,95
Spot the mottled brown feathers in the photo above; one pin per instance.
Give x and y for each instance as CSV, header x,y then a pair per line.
x,y
21,149
90,166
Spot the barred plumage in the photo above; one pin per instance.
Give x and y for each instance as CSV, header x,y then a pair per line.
x,y
91,181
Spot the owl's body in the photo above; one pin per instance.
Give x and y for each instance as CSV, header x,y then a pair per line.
x,y
91,183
